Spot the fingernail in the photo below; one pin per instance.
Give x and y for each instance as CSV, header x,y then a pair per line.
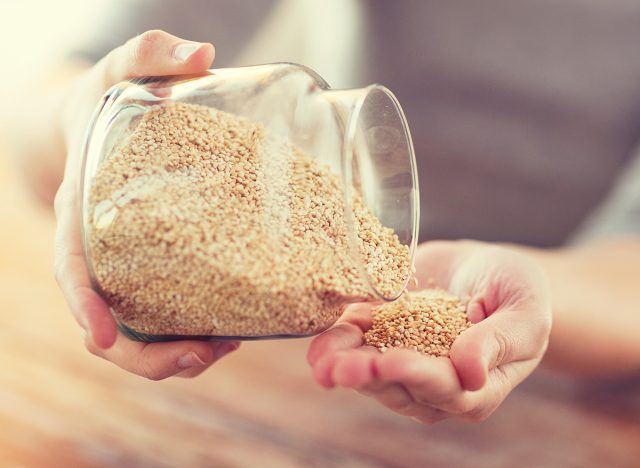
x,y
224,349
189,360
186,50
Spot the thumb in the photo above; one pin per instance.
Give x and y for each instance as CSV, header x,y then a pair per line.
x,y
478,350
503,337
155,53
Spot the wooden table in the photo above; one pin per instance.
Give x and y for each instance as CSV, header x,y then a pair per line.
x,y
59,406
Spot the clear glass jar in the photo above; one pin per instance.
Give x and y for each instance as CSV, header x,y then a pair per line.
x,y
246,203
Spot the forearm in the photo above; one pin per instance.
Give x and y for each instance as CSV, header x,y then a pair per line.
x,y
596,307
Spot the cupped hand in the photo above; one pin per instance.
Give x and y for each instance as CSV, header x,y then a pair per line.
x,y
154,53
510,307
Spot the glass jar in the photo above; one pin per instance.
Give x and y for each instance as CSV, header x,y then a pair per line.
x,y
246,203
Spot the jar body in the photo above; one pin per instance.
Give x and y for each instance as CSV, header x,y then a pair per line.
x,y
246,203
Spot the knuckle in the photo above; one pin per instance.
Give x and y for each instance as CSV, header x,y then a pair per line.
x,y
91,347
190,373
406,408
426,420
547,322
60,199
396,400
152,35
144,44
153,377
544,328
503,347
478,416
460,406
147,370
430,420
151,374
430,415
540,336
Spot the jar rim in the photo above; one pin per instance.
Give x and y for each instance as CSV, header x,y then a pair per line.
x,y
348,186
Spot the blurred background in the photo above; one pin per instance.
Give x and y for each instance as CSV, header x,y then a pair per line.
x,y
37,35
531,89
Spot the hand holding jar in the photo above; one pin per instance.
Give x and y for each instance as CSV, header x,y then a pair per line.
x,y
153,53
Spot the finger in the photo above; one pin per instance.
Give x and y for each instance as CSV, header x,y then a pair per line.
x,y
155,53
322,368
219,351
347,334
479,405
429,415
476,311
324,365
359,314
157,361
401,399
91,312
503,337
390,395
429,380
354,368
340,337
398,399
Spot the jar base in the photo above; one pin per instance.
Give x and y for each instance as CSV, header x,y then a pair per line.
x,y
135,335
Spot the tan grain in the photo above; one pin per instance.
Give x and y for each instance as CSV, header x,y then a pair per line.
x,y
427,321
202,223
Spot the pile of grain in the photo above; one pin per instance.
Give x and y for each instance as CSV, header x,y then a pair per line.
x,y
427,321
204,224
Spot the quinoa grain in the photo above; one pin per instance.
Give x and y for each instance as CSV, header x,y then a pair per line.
x,y
202,223
426,321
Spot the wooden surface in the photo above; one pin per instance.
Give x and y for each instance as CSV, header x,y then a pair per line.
x,y
59,406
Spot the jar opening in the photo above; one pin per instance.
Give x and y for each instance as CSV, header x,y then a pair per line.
x,y
379,163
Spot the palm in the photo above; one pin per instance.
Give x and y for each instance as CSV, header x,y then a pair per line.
x,y
508,303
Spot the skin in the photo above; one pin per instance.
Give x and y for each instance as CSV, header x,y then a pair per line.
x,y
515,290
154,53
596,318
596,307
511,311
